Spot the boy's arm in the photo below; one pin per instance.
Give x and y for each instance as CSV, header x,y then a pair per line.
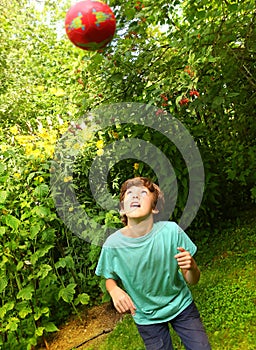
x,y
121,299
188,266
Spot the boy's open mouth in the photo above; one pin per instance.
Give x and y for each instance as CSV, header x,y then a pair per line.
x,y
135,205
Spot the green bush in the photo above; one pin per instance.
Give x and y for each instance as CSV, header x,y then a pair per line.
x,y
42,272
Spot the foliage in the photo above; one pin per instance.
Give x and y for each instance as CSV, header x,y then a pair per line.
x,y
43,276
42,272
192,59
189,59
225,294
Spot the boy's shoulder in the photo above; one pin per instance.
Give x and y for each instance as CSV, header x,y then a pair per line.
x,y
113,240
166,225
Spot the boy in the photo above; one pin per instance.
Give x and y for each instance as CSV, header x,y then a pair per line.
x,y
152,261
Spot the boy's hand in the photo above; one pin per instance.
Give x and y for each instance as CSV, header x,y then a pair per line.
x,y
184,259
188,266
122,301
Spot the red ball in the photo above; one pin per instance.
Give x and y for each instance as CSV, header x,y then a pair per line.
x,y
90,24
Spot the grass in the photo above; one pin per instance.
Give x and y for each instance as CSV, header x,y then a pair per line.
x,y
225,295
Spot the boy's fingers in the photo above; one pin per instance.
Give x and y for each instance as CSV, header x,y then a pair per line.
x,y
126,304
183,253
132,307
180,249
132,310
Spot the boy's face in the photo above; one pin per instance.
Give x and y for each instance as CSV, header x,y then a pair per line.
x,y
138,202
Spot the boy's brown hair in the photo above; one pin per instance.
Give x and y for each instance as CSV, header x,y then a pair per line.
x,y
158,196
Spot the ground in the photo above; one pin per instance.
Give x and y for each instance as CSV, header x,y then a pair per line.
x,y
83,333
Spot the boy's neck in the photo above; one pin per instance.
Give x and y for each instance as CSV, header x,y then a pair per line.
x,y
136,228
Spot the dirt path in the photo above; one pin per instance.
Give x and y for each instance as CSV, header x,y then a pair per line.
x,y
96,324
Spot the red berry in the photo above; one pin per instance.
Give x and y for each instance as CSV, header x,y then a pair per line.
x,y
159,111
164,97
194,93
184,101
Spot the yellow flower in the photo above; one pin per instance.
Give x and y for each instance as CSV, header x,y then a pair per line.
x,y
17,175
68,178
57,92
49,150
39,179
63,127
4,147
36,153
100,152
40,88
14,130
136,166
29,149
50,135
24,139
43,133
77,146
60,92
100,144
71,209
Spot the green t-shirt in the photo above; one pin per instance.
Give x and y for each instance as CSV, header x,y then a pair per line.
x,y
148,270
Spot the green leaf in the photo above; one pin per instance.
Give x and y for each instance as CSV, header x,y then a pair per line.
x,y
39,331
44,270
3,196
233,94
25,311
2,168
40,253
3,179
2,231
65,262
217,101
42,211
130,13
12,325
82,298
38,312
48,235
50,327
12,221
34,229
97,58
41,191
253,194
19,265
3,283
26,293
67,293
5,308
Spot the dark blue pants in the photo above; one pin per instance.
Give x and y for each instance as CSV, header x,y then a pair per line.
x,y
187,325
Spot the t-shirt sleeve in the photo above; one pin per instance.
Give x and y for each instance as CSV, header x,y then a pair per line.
x,y
105,266
185,242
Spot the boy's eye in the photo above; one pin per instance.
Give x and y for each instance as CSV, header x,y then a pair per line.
x,y
141,193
